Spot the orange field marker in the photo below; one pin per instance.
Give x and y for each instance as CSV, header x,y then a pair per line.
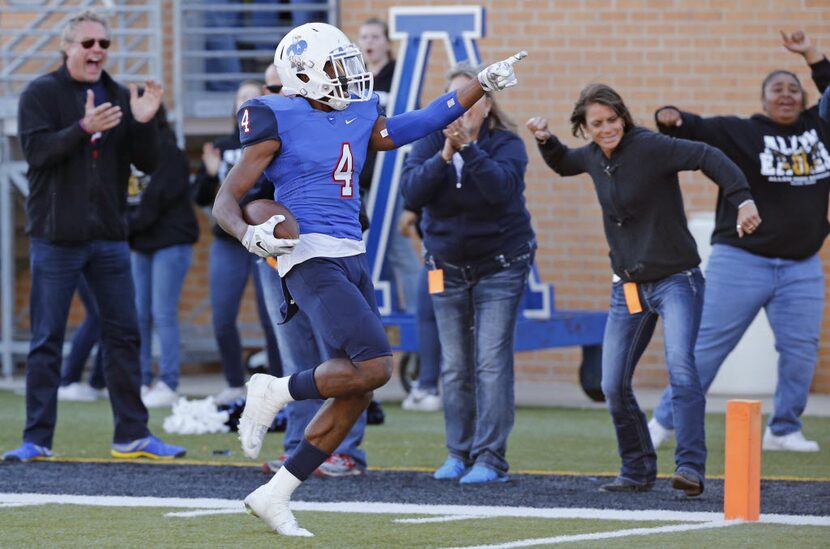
x,y
742,471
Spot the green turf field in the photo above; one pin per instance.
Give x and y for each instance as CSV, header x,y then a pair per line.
x,y
543,439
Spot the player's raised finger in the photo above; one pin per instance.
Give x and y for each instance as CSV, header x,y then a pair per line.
x,y
516,57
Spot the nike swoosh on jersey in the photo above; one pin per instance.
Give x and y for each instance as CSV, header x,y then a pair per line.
x,y
350,121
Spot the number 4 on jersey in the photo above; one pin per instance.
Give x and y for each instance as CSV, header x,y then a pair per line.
x,y
245,124
344,171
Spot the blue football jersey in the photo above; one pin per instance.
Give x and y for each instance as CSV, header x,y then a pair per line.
x,y
322,153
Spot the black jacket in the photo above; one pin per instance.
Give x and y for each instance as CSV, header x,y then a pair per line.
x,y
788,169
479,217
77,189
206,186
164,214
642,206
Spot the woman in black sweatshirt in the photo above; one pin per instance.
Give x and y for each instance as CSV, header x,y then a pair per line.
x,y
163,229
655,265
784,155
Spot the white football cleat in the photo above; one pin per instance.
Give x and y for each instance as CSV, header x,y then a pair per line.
x,y
793,442
274,512
266,396
659,434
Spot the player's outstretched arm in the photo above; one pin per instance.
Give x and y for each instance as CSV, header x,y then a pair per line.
x,y
245,173
394,132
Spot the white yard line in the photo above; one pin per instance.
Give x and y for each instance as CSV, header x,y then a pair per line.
x,y
203,513
605,535
412,509
432,520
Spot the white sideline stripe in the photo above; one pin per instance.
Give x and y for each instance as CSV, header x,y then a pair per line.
x,y
605,535
203,513
358,507
447,518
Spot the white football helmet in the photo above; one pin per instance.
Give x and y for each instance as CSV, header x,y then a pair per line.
x,y
302,58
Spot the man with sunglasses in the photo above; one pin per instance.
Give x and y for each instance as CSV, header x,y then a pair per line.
x,y
80,131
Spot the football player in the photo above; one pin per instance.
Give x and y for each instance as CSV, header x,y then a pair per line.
x,y
312,144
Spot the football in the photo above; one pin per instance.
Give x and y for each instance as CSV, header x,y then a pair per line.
x,y
259,211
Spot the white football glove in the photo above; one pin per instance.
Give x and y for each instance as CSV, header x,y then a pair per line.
x,y
259,239
499,76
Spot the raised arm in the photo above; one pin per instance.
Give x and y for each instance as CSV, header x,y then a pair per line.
x,y
557,156
798,42
144,128
396,131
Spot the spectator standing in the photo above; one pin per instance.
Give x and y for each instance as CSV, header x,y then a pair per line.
x,y
163,229
423,396
231,265
655,264
79,151
784,155
469,180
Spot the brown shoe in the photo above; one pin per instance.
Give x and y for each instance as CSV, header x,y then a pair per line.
x,y
688,482
623,485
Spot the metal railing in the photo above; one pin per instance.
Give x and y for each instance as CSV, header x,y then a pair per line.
x,y
30,49
218,44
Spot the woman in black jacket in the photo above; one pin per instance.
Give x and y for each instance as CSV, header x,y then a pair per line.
x,y
784,155
655,265
163,229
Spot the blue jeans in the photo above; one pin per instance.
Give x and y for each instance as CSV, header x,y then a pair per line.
x,y
402,260
429,348
739,284
476,318
56,270
301,348
85,338
158,278
231,266
678,300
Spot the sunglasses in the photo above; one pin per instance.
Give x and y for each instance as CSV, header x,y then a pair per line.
x,y
89,42
274,88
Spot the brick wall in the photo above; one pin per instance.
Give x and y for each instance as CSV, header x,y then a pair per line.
x,y
707,56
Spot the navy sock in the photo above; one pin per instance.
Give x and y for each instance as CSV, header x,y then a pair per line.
x,y
302,386
305,460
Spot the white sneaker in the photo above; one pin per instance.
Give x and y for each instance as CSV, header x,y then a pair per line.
x,y
229,395
79,392
160,396
266,396
419,400
794,442
274,512
659,434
